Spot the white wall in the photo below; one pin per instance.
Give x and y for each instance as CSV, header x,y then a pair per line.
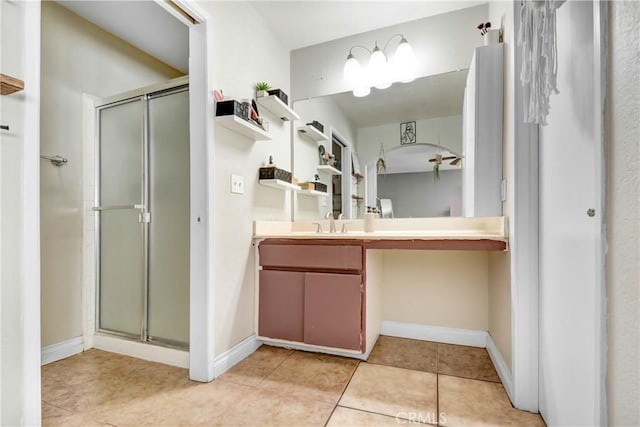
x,y
77,57
500,285
623,186
305,152
243,51
500,304
441,43
416,195
11,159
19,217
436,288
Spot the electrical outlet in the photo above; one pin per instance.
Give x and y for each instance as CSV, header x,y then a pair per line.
x,y
237,184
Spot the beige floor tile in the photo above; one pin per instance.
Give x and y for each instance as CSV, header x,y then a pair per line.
x,y
466,402
94,379
264,408
216,394
51,411
255,368
54,417
466,362
311,376
405,353
343,417
393,391
160,410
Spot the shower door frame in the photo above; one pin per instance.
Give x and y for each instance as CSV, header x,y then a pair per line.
x,y
144,95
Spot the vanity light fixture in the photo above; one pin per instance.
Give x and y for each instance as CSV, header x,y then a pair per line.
x,y
380,71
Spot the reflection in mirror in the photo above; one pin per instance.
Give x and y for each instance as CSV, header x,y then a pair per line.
x,y
433,106
419,180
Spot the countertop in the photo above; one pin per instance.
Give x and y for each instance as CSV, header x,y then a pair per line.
x,y
483,233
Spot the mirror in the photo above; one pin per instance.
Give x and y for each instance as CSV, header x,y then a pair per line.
x,y
415,128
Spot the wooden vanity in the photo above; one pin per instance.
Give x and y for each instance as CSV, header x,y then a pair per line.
x,y
321,291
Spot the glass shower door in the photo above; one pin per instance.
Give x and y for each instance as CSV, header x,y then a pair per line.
x,y
168,288
121,274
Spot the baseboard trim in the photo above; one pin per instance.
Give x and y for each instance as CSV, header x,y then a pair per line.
x,y
441,334
235,354
150,352
501,367
292,345
62,350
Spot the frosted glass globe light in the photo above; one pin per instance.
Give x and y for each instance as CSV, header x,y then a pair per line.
x,y
352,70
404,62
378,69
361,91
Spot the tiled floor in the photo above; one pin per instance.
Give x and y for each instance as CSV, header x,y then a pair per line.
x,y
404,382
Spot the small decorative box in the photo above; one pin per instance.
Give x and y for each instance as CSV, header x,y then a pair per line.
x,y
232,107
272,172
280,94
318,186
316,124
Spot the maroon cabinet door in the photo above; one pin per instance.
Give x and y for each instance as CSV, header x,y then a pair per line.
x,y
281,305
333,310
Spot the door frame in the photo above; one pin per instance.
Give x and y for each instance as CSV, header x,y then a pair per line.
x,y
347,146
524,234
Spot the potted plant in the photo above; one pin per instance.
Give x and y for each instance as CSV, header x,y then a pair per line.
x,y
261,89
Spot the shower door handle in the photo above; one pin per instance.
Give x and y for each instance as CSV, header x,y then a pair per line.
x,y
116,207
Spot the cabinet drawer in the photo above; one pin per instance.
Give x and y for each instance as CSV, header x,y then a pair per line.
x,y
340,257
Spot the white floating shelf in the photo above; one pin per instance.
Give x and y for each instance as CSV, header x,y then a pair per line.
x,y
312,133
277,107
329,169
243,127
314,193
279,184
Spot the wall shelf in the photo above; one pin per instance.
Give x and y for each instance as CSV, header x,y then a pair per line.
x,y
279,108
329,169
9,85
314,193
279,184
312,133
243,127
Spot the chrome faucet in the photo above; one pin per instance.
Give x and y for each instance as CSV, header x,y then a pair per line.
x,y
332,222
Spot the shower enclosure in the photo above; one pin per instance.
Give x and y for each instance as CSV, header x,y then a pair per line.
x,y
142,216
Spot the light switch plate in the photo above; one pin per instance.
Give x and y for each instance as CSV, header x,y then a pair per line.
x,y
237,184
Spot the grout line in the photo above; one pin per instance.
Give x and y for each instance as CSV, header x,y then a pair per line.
x,y
275,368
437,398
406,420
57,406
343,391
438,385
378,413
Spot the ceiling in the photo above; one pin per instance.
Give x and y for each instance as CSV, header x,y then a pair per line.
x,y
152,29
425,98
299,24
296,24
144,24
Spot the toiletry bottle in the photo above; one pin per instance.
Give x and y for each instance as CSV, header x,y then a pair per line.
x,y
369,222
